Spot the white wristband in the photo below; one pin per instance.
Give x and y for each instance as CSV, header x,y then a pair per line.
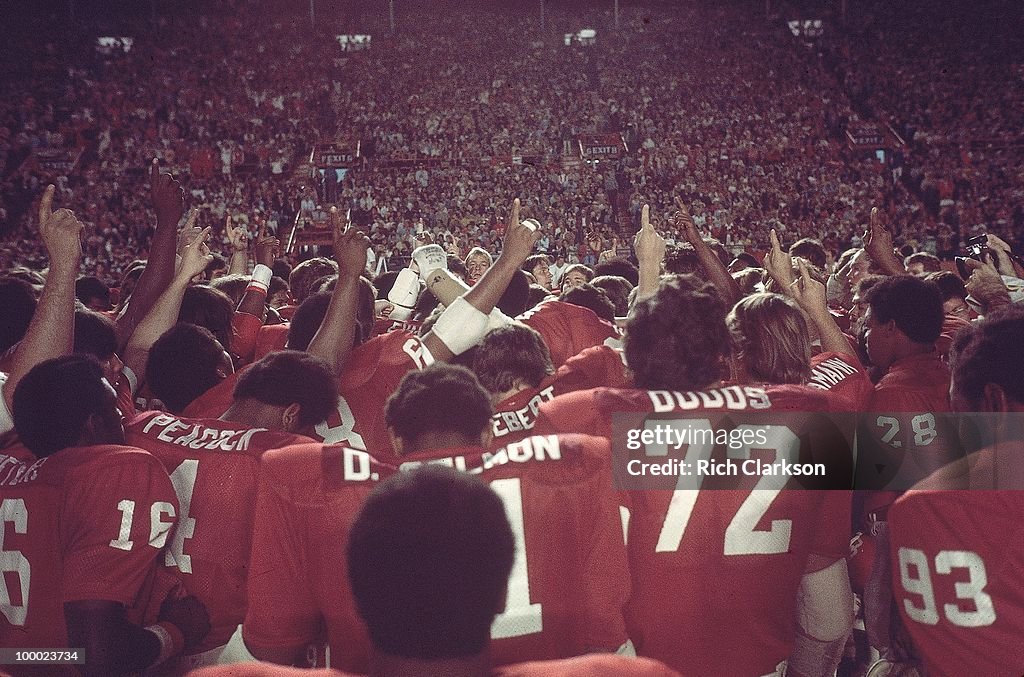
x,y
262,274
460,326
497,320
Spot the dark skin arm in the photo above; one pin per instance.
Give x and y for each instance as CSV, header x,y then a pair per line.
x,y
168,201
266,250
113,646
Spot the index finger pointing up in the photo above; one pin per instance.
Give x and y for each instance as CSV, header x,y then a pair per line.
x,y
645,217
46,204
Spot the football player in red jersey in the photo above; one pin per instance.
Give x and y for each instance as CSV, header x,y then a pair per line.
x,y
214,464
569,583
430,556
785,588
568,328
83,529
905,435
514,365
957,555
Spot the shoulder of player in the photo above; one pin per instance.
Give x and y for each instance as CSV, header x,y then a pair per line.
x,y
594,665
310,469
204,434
102,461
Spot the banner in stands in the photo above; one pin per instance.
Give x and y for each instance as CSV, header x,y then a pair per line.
x,y
866,135
600,146
57,160
336,155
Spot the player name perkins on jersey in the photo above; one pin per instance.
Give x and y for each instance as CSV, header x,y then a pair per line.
x,y
751,467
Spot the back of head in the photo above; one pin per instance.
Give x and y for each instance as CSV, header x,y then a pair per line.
x,y
770,334
18,301
810,249
618,289
55,400
183,364
509,354
915,305
281,269
206,307
989,353
921,263
304,277
620,267
92,293
429,558
589,296
384,282
232,285
536,294
516,296
682,260
676,339
291,377
949,283
441,399
95,334
307,320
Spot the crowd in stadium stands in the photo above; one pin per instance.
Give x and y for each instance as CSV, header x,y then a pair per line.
x,y
214,450
750,132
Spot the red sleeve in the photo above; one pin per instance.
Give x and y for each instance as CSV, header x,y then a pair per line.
x,y
599,366
282,612
244,328
271,337
118,514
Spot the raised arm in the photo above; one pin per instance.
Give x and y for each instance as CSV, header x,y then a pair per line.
x,y
169,204
810,295
878,245
649,246
254,301
238,237
50,334
164,313
465,320
334,340
717,272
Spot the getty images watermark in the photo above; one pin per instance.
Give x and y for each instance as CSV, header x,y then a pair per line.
x,y
816,450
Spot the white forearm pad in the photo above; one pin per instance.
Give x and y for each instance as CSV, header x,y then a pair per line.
x,y
262,274
497,320
404,294
460,326
430,257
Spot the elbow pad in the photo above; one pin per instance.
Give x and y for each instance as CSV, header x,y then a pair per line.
x,y
460,326
404,294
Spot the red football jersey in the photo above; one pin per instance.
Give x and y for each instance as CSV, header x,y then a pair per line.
x,y
213,466
906,438
568,585
298,594
515,417
956,561
371,374
87,523
754,546
843,377
567,328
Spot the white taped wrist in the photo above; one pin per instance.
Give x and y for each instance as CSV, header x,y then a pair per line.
x,y
460,326
497,320
404,294
168,647
429,258
262,274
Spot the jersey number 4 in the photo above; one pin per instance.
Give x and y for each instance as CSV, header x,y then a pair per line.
x,y
741,536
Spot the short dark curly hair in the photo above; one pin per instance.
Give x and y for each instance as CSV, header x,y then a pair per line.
x,y
441,398
913,303
677,338
990,352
